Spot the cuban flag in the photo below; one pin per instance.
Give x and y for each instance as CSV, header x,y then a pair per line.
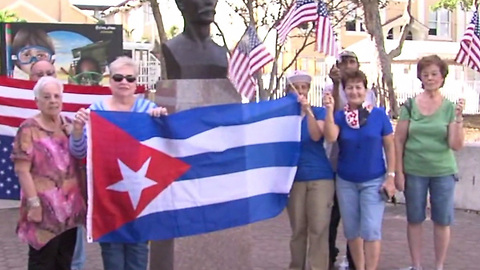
x,y
196,171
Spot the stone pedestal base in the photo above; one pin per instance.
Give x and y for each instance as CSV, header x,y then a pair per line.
x,y
223,250
179,95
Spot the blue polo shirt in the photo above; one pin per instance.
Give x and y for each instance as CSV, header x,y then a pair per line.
x,y
313,163
360,156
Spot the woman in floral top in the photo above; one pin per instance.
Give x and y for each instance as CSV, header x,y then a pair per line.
x,y
52,204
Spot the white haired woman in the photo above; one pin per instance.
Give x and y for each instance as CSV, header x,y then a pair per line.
x,y
123,76
52,205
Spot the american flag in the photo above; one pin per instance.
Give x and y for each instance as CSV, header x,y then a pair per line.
x,y
469,53
302,11
249,56
16,104
326,42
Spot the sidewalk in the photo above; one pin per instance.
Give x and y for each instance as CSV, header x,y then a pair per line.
x,y
270,250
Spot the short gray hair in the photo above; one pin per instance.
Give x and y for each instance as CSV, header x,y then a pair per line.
x,y
123,61
43,81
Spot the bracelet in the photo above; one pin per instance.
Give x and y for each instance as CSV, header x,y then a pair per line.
x,y
459,121
33,202
392,174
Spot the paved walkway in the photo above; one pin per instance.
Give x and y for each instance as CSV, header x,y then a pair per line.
x,y
271,246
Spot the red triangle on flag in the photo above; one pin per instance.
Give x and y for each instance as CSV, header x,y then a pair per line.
x,y
111,145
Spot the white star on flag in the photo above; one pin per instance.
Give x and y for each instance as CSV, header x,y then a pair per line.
x,y
133,182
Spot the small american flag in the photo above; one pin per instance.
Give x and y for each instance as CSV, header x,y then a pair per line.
x,y
249,56
326,42
469,53
302,11
17,104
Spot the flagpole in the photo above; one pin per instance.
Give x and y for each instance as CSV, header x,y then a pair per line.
x,y
469,51
298,94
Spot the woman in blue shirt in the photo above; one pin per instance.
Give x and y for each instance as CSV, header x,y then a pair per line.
x,y
363,183
311,196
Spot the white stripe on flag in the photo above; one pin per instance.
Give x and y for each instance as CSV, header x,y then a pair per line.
x,y
267,131
27,94
8,130
25,113
222,188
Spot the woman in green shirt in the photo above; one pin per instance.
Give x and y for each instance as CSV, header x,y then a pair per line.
x,y
429,130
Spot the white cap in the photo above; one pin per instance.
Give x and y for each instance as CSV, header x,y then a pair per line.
x,y
299,76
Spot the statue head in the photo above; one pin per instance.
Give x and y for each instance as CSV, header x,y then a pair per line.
x,y
197,11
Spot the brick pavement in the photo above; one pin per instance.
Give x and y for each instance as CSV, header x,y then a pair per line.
x,y
270,249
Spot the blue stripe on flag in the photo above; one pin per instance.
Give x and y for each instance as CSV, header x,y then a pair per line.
x,y
201,119
241,159
9,186
185,222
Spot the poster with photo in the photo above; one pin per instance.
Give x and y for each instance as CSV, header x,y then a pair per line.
x,y
80,52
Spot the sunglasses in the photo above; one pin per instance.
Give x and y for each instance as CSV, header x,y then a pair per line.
x,y
120,77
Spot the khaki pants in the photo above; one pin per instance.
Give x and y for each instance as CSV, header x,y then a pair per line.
x,y
309,209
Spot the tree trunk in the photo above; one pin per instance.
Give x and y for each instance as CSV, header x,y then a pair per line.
x,y
373,24
161,33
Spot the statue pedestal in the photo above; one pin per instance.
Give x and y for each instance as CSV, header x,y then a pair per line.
x,y
179,95
222,250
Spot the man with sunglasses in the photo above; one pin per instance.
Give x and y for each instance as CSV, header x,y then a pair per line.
x,y
41,68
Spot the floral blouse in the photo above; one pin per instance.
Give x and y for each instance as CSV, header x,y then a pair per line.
x,y
56,179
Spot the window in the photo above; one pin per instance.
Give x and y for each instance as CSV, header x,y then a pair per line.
x,y
390,34
304,64
147,13
353,20
355,26
439,23
409,35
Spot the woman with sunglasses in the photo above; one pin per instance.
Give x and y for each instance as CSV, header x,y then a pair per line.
x,y
123,76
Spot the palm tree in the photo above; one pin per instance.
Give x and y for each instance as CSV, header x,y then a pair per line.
x,y
8,16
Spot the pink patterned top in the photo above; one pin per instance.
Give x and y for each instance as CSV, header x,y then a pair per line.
x,y
56,179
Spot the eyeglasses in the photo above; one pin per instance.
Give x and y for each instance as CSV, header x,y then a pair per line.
x,y
120,77
31,54
46,73
87,78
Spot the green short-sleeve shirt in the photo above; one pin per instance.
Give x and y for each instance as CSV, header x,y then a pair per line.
x,y
427,152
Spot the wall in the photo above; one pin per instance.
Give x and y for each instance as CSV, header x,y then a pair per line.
x,y
467,191
55,11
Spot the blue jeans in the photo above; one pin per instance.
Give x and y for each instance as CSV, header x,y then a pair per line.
x,y
79,256
120,256
441,198
361,208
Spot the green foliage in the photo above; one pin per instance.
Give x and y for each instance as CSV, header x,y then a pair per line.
x,y
454,4
173,31
8,16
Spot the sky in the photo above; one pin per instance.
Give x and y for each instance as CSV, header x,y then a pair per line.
x,y
97,2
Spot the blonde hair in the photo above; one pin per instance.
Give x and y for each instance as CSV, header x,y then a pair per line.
x,y
43,81
123,61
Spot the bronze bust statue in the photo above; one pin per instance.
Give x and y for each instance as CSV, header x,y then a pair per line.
x,y
193,54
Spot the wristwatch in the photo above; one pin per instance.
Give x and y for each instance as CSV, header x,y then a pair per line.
x,y
392,174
